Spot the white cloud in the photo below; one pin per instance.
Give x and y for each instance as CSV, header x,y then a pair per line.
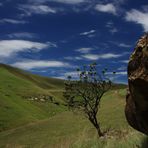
x,y
101,56
84,50
73,73
122,68
72,2
106,8
109,24
111,27
118,73
22,35
11,47
125,61
59,77
73,58
64,75
90,57
37,9
39,70
35,64
124,45
138,17
12,21
88,32
113,30
121,73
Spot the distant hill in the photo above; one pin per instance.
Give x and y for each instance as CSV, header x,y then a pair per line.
x,y
119,86
16,87
43,82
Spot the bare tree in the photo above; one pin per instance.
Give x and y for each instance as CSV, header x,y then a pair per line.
x,y
84,94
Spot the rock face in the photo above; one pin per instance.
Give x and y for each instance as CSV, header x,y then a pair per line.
x,y
136,110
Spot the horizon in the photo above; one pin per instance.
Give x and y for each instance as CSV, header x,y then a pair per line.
x,y
29,72
54,37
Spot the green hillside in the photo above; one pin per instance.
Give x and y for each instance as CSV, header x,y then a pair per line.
x,y
68,130
43,82
16,86
29,123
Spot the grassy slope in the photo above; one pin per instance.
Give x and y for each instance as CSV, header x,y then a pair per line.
x,y
69,130
63,129
14,110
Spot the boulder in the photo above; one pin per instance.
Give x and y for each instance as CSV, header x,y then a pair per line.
x,y
136,109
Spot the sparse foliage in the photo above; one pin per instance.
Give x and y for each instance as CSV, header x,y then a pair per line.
x,y
84,94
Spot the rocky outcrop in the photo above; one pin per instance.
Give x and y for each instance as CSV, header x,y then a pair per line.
x,y
136,110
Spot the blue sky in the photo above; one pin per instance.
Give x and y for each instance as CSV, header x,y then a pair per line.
x,y
54,37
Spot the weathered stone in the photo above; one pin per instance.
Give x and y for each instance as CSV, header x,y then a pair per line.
x,y
137,97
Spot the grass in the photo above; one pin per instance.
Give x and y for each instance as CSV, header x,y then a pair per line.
x,y
14,109
69,130
27,124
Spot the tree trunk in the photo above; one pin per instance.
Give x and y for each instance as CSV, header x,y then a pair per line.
x,y
96,125
100,134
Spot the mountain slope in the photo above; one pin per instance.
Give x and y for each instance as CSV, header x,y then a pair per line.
x,y
53,125
18,87
67,130
40,81
15,87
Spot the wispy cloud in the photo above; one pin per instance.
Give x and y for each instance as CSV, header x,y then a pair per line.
x,y
12,21
73,74
113,30
59,77
37,64
111,27
11,47
36,9
21,35
84,50
118,73
124,61
73,58
88,32
91,56
106,8
121,73
101,56
138,17
122,68
124,45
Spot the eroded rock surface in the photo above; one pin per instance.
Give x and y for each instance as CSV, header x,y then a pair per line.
x,y
136,110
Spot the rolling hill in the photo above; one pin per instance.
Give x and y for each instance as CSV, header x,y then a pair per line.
x,y
16,87
29,120
68,130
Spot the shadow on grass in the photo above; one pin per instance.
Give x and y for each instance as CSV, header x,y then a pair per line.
x,y
144,143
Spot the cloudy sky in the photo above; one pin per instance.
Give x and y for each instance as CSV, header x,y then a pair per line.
x,y
53,37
